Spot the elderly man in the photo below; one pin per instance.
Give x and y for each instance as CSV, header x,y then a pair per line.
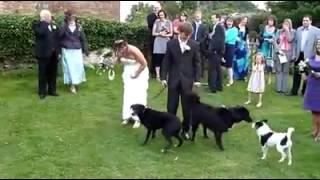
x,y
46,52
151,18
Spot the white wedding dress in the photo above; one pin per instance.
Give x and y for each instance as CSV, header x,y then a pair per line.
x,y
135,90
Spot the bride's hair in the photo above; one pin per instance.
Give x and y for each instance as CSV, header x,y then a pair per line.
x,y
118,44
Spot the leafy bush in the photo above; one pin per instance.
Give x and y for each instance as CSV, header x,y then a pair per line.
x,y
17,37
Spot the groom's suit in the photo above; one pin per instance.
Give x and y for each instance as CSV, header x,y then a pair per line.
x,y
182,69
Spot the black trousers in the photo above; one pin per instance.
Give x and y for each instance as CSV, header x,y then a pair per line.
x,y
152,65
203,59
47,74
214,72
174,94
297,77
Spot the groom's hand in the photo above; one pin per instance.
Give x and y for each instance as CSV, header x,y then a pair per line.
x,y
197,84
164,83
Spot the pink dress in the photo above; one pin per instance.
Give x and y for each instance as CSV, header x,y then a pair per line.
x,y
257,82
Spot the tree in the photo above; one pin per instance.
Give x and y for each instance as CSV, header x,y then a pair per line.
x,y
295,10
138,14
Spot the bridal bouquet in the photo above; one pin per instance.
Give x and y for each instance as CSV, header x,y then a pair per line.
x,y
302,66
107,62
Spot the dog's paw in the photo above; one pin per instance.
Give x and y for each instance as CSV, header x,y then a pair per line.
x,y
281,160
289,163
136,125
263,158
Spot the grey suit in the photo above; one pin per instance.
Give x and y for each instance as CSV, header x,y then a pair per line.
x,y
308,49
301,54
282,70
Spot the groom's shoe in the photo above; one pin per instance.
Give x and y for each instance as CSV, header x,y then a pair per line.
x,y
42,96
53,94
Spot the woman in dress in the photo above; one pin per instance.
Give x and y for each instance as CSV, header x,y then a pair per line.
x,y
240,65
285,45
74,44
163,31
135,77
267,38
312,93
231,34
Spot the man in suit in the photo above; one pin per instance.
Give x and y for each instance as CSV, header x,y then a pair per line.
x,y
46,51
305,38
199,35
215,53
151,18
182,65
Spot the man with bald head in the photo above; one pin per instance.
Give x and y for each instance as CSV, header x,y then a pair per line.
x,y
46,52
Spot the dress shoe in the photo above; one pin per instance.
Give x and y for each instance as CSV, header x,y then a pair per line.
x,y
213,91
42,96
219,89
291,94
53,94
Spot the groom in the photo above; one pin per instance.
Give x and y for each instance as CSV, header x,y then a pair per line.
x,y
182,65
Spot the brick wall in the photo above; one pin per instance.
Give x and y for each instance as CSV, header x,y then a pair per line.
x,y
104,9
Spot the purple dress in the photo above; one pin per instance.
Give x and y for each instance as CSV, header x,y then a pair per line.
x,y
312,94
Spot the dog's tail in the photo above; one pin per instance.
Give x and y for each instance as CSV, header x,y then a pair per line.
x,y
290,131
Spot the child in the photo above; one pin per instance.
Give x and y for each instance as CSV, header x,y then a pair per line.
x,y
256,82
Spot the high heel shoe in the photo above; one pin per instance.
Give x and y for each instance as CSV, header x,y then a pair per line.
x,y
259,104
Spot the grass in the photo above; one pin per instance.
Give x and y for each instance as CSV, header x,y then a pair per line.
x,y
80,136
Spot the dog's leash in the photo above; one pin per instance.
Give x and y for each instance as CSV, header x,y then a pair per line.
x,y
159,93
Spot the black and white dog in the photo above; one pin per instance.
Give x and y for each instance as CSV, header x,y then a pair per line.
x,y
217,119
269,138
154,120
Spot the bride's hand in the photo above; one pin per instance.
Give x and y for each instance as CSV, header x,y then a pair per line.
x,y
134,76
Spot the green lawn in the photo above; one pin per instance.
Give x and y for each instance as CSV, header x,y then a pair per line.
x,y
80,136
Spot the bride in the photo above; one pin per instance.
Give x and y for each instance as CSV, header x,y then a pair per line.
x,y
135,77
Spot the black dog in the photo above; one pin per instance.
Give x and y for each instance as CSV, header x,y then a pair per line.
x,y
153,120
217,119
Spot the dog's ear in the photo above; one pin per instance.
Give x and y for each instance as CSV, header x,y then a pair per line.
x,y
265,120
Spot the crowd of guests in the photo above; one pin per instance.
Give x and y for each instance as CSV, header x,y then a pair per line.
x,y
225,42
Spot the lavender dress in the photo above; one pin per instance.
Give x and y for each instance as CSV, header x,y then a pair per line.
x,y
312,94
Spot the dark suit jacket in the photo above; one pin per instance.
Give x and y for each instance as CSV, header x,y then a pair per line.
x,y
183,68
217,41
151,18
46,41
201,35
73,40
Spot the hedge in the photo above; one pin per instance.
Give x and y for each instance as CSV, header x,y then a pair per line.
x,y
17,37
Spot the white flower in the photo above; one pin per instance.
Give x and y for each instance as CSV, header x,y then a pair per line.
x,y
187,48
303,64
54,27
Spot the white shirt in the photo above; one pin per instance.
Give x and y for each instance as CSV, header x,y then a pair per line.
x,y
304,36
72,27
213,30
182,45
197,27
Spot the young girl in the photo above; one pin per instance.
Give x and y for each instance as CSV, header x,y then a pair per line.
x,y
257,82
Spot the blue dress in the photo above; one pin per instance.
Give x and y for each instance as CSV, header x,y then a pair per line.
x,y
240,63
267,49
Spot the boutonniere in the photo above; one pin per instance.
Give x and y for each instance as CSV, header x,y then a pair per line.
x,y
54,27
187,48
